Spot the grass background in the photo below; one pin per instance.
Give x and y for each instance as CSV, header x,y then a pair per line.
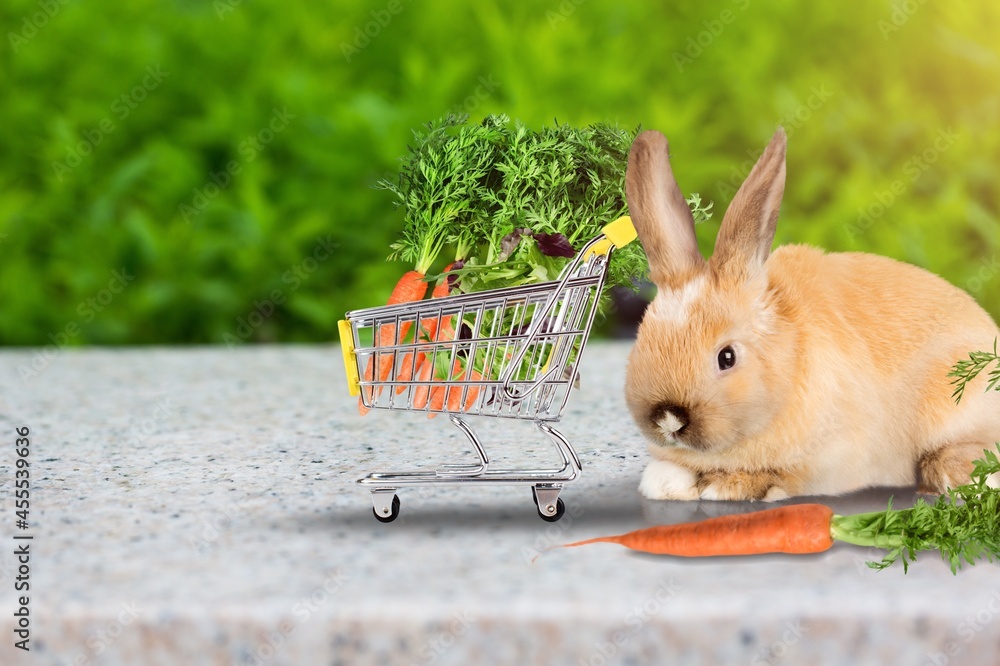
x,y
891,108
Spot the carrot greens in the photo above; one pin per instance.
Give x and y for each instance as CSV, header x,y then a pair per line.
x,y
502,206
964,524
515,204
967,370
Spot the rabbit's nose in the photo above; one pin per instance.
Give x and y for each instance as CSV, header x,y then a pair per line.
x,y
671,419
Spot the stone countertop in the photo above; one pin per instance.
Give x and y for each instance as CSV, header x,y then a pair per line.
x,y
198,505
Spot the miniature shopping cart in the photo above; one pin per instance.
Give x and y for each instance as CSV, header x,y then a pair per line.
x,y
509,353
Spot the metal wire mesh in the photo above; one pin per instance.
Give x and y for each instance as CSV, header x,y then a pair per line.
x,y
451,355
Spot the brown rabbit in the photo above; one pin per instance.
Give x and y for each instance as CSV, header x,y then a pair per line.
x,y
760,375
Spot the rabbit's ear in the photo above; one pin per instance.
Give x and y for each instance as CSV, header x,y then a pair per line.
x,y
658,210
747,232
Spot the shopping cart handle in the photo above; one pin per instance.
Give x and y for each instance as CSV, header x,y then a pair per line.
x,y
508,389
619,233
350,361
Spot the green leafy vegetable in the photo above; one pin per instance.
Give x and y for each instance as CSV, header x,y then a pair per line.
x,y
513,203
514,206
967,370
963,525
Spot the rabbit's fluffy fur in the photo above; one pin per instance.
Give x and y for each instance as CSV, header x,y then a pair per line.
x,y
840,379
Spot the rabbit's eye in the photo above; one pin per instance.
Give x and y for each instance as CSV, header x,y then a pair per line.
x,y
727,358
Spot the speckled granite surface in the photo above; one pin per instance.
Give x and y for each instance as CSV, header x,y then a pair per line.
x,y
198,506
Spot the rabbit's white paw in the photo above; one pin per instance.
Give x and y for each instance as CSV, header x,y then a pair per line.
x,y
664,480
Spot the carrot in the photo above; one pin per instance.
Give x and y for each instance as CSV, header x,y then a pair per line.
x,y
455,396
430,327
410,287
440,291
800,528
470,400
421,392
444,334
427,327
407,369
441,288
439,393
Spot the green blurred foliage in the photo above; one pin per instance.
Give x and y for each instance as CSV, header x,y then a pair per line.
x,y
107,167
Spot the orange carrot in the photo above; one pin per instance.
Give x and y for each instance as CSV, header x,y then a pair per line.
x,y
470,400
407,369
421,391
800,528
444,334
410,287
441,288
428,327
439,393
440,291
438,329
455,394
447,330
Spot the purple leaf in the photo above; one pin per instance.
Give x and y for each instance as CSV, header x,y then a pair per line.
x,y
510,242
554,245
453,278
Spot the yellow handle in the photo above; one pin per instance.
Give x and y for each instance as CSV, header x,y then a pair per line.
x,y
619,233
350,363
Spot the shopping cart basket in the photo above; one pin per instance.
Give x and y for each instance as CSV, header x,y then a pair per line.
x,y
506,353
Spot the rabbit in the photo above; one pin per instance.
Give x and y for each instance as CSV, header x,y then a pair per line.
x,y
760,375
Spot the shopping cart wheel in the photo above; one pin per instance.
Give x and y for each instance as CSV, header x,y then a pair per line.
x,y
560,508
393,512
